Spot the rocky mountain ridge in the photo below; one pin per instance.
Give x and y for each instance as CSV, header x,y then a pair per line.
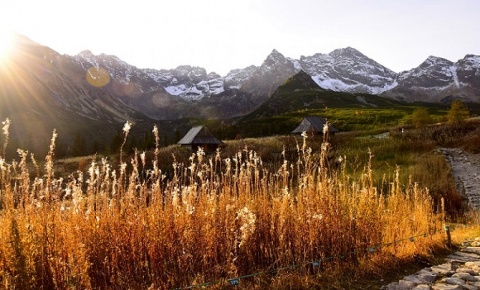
x,y
344,70
348,70
75,82
439,80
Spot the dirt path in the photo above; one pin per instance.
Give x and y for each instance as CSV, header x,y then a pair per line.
x,y
466,171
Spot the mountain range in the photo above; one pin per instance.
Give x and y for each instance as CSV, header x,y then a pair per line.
x,y
39,84
194,93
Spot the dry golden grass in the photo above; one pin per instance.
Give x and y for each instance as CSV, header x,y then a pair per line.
x,y
466,231
214,218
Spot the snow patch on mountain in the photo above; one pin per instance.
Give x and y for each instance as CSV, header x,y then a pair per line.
x,y
296,64
159,76
340,86
176,90
453,71
216,86
235,78
331,84
389,86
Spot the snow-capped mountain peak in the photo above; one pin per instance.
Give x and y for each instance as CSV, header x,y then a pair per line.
x,y
432,61
347,52
438,79
345,69
275,58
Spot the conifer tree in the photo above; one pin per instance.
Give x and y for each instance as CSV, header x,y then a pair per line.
x,y
458,112
421,117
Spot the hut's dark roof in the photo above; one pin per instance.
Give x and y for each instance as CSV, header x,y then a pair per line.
x,y
199,135
313,124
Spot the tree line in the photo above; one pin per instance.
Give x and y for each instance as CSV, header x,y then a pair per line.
x,y
78,144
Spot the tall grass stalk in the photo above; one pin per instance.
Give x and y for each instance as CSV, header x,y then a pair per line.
x,y
213,218
5,132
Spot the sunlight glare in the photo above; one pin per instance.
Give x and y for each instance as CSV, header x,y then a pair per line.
x,y
6,43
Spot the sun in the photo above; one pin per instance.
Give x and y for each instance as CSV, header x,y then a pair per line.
x,y
6,43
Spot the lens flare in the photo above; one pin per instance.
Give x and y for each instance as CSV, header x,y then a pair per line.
x,y
125,88
98,77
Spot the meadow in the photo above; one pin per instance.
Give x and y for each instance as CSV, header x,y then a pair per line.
x,y
274,212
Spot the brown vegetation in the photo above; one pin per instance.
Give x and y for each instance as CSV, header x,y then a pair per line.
x,y
211,219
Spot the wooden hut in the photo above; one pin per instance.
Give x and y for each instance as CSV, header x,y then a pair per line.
x,y
313,126
200,136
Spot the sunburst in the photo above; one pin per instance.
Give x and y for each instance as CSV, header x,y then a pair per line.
x,y
6,44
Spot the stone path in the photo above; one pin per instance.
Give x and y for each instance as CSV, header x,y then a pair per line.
x,y
466,170
461,269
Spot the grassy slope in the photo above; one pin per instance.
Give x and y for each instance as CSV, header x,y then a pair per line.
x,y
347,112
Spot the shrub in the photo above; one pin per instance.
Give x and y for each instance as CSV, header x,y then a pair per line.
x,y
420,117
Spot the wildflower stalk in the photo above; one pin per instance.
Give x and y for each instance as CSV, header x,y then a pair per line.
x,y
49,168
123,165
126,130
157,148
6,126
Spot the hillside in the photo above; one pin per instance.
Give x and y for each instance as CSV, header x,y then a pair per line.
x,y
300,92
300,96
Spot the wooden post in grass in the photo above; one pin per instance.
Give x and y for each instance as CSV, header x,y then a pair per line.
x,y
449,237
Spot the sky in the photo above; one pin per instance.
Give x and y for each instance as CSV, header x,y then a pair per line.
x,y
220,35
